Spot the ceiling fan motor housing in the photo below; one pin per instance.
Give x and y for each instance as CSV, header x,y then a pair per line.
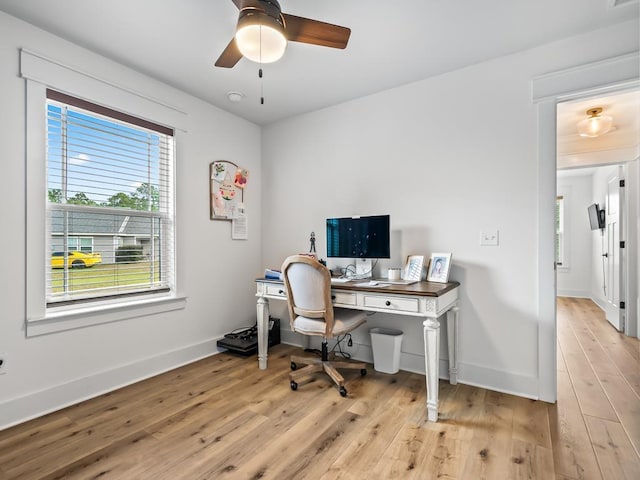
x,y
261,9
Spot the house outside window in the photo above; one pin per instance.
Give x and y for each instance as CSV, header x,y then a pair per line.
x,y
110,194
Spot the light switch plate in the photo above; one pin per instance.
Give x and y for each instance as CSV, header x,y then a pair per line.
x,y
489,238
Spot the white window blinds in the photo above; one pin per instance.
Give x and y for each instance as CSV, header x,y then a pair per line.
x,y
110,216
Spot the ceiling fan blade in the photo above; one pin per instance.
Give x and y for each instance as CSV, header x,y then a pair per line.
x,y
230,56
307,30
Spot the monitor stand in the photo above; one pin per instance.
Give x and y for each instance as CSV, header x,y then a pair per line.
x,y
364,267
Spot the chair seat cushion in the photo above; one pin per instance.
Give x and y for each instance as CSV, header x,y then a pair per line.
x,y
345,320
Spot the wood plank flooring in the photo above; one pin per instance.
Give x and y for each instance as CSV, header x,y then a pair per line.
x,y
223,418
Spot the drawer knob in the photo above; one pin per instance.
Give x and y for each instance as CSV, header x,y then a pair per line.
x,y
333,297
387,303
281,292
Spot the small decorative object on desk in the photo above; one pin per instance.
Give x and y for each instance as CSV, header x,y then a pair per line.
x,y
312,243
272,274
393,274
439,267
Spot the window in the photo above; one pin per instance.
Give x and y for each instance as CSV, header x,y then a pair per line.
x,y
80,244
110,201
560,227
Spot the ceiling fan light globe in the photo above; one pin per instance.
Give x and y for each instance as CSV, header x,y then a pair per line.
x,y
260,42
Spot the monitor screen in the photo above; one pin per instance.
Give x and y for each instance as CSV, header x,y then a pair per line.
x,y
358,237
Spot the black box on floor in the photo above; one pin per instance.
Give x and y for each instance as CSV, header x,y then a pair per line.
x,y
246,343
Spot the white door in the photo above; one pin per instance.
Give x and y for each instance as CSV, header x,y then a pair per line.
x,y
613,273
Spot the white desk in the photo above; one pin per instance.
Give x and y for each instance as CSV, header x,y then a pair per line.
x,y
424,300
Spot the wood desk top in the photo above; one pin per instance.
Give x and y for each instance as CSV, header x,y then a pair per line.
x,y
423,289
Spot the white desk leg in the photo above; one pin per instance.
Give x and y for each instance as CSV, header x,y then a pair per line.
x,y
431,359
262,316
452,337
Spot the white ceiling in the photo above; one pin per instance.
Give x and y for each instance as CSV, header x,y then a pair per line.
x,y
392,43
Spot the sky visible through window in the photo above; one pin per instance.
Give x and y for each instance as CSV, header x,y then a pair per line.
x,y
107,162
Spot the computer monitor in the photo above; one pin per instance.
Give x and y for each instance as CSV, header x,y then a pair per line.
x,y
359,237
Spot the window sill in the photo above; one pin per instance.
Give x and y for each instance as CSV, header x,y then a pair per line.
x,y
79,317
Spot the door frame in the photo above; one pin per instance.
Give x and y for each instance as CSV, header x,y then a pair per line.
x,y
598,78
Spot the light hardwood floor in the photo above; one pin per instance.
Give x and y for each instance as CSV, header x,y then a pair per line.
x,y
222,418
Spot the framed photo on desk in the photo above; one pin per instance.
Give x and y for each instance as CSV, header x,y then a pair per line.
x,y
413,268
439,267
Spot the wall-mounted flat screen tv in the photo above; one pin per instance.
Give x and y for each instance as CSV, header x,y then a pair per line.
x,y
359,237
596,217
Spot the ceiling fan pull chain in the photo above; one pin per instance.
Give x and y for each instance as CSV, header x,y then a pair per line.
x,y
260,71
261,86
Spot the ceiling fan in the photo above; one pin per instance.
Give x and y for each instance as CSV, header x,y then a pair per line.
x,y
263,31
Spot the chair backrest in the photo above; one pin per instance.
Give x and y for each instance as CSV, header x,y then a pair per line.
x,y
308,286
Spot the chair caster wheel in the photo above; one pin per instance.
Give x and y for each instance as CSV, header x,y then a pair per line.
x,y
343,391
293,365
363,372
294,385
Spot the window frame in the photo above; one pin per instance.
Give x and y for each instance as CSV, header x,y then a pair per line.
x,y
72,107
40,73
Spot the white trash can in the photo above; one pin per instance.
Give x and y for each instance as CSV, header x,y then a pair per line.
x,y
386,346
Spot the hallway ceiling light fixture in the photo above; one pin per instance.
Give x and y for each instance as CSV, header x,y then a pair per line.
x,y
595,124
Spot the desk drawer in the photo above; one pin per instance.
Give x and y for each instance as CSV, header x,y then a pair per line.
x,y
276,291
343,298
392,303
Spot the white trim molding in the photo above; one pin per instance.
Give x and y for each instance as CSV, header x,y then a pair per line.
x,y
608,75
594,78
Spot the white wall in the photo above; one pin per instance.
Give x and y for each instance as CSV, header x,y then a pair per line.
x,y
446,157
574,277
215,273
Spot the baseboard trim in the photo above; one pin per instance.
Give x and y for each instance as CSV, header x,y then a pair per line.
x,y
600,303
469,374
498,380
28,407
573,293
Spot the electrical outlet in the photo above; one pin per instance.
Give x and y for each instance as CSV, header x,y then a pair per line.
x,y
3,363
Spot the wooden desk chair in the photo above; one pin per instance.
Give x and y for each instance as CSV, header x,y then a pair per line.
x,y
311,312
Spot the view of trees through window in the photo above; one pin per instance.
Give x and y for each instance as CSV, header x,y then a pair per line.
x,y
145,197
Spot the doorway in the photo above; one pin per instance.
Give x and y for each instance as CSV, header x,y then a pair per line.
x,y
599,78
597,261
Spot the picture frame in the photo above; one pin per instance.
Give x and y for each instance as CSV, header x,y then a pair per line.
x,y
439,267
413,268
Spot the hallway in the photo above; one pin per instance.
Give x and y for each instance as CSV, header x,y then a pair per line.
x,y
595,425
